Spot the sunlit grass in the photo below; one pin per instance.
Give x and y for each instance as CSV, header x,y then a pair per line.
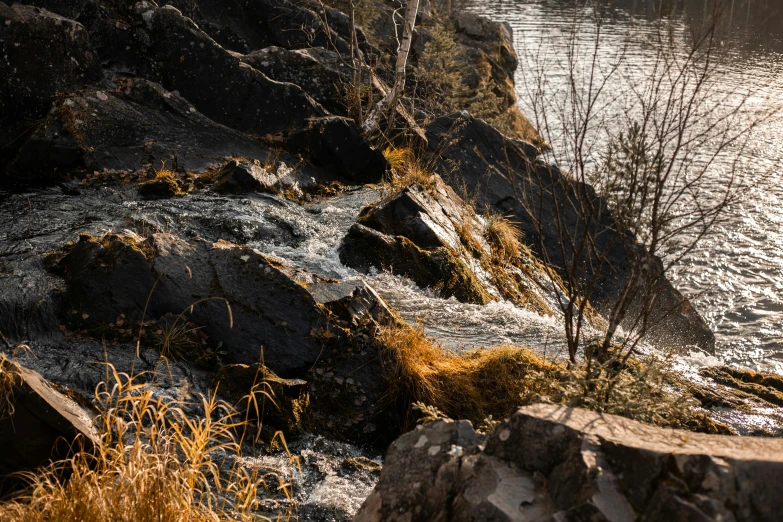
x,y
154,462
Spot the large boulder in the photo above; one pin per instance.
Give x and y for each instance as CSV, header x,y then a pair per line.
x,y
248,25
337,145
555,463
125,128
411,235
432,236
41,54
505,176
124,276
180,56
321,73
38,425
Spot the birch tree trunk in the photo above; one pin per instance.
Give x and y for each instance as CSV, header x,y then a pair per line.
x,y
392,97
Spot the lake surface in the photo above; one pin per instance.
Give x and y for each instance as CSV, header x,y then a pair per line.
x,y
735,276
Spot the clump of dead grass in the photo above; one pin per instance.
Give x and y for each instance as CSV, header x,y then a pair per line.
x,y
10,379
503,235
472,385
486,384
406,169
154,462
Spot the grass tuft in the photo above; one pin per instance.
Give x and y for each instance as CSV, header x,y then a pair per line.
x,y
491,383
503,236
406,169
473,385
10,379
154,463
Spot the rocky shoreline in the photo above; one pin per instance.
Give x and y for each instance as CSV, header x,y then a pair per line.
x,y
156,158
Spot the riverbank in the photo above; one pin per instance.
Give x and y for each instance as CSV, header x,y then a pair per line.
x,y
197,210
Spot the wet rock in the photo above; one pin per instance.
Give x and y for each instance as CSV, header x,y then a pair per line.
x,y
441,269
337,145
41,55
415,234
435,221
356,302
504,175
127,276
764,386
38,425
278,402
242,176
182,57
554,463
126,128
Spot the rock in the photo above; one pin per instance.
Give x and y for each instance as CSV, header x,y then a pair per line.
x,y
414,234
441,269
123,129
550,462
41,426
768,387
183,58
504,175
117,275
42,54
337,145
242,176
355,302
244,26
281,402
430,235
491,37
321,73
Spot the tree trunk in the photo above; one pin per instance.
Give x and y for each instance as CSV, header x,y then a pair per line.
x,y
393,96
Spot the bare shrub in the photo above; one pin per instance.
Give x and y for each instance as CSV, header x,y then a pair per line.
x,y
627,212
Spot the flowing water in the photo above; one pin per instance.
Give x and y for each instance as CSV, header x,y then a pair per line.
x,y
737,270
735,275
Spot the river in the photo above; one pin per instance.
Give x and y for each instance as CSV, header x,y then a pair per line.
x,y
734,274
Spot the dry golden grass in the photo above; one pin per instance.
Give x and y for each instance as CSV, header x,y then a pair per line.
x,y
10,379
406,169
473,385
154,463
491,383
503,236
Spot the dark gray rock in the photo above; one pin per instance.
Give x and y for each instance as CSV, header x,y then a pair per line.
x,y
125,128
41,54
123,276
415,234
248,25
242,176
337,145
553,463
505,177
182,57
284,400
430,235
42,426
320,73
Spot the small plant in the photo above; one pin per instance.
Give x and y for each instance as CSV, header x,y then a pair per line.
x,y
154,462
484,384
10,379
503,235
406,169
428,413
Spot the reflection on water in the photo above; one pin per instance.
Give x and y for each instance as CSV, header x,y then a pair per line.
x,y
735,274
